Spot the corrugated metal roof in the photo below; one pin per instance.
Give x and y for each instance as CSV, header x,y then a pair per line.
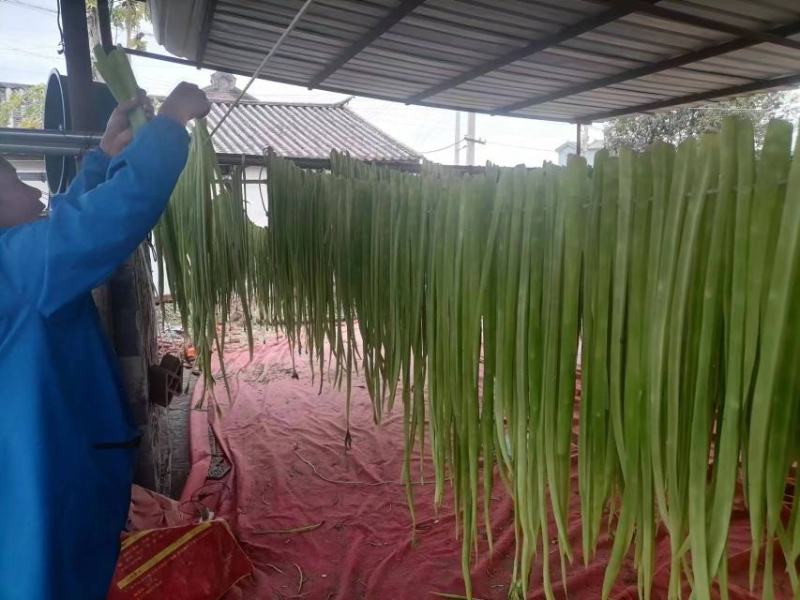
x,y
307,131
574,60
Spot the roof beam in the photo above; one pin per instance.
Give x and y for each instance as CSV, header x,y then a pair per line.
x,y
384,25
670,14
663,65
328,88
205,30
619,10
754,86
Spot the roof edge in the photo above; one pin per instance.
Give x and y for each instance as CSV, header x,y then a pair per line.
x,y
408,149
280,103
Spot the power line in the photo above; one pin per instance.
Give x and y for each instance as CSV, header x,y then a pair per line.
x,y
430,130
490,143
463,139
28,5
15,50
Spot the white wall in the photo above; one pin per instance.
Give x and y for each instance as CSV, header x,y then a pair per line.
x,y
564,155
256,195
567,152
254,192
34,167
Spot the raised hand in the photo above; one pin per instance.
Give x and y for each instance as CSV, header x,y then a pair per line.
x,y
185,102
118,132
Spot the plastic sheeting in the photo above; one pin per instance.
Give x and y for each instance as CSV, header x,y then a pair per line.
x,y
199,561
177,24
278,427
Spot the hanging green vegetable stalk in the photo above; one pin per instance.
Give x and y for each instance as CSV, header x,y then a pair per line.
x,y
774,400
203,251
467,298
202,240
118,75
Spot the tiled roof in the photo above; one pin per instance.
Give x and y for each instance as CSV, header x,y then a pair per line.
x,y
302,131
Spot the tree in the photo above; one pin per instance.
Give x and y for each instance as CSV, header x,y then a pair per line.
x,y
126,15
24,108
674,126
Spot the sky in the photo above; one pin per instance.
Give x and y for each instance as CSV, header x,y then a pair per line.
x,y
29,39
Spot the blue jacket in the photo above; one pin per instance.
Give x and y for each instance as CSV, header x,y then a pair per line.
x,y
65,432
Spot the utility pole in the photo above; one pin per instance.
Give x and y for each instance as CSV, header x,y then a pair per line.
x,y
471,138
457,147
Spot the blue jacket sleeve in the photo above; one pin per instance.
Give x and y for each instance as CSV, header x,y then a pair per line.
x,y
87,236
91,174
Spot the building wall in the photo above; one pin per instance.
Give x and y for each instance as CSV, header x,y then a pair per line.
x,y
255,203
564,155
256,195
31,171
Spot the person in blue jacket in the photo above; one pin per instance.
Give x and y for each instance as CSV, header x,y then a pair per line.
x,y
66,439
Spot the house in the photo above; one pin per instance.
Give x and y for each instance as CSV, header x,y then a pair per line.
x,y
588,151
7,91
223,88
303,132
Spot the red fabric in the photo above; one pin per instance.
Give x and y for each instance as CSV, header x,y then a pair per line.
x,y
363,548
150,510
191,562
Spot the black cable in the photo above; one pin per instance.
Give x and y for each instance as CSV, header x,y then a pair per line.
x,y
60,47
444,148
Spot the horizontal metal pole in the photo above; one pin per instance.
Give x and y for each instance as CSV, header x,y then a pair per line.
x,y
255,160
46,141
32,176
241,160
38,142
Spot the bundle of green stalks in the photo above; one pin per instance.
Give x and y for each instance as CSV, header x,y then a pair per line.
x,y
670,276
204,251
203,240
116,71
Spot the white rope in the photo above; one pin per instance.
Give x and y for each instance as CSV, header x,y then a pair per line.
x,y
267,58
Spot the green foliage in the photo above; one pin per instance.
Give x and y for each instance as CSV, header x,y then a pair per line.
x,y
203,251
115,69
674,126
128,16
25,108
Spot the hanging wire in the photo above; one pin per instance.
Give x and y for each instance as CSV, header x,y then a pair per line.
x,y
490,143
266,59
60,46
443,148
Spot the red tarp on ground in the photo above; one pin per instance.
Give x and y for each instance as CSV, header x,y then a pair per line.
x,y
362,549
